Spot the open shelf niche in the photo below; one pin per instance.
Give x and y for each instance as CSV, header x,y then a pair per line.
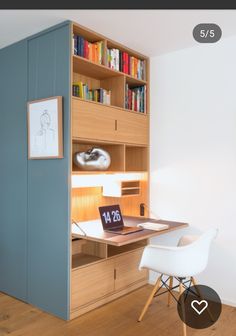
x,y
116,151
86,252
124,158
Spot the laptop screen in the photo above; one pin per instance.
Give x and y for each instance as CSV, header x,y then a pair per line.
x,y
111,217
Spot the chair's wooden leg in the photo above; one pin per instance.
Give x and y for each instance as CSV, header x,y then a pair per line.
x,y
157,285
183,310
169,294
201,297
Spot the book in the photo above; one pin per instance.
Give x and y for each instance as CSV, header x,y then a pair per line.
x,y
100,95
135,98
122,61
92,51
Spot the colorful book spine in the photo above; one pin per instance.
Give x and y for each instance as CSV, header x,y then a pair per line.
x,y
135,98
81,90
91,51
122,61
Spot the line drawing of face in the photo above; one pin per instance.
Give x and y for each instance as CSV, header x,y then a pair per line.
x,y
45,120
46,134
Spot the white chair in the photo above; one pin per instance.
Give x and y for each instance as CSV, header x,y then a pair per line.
x,y
186,260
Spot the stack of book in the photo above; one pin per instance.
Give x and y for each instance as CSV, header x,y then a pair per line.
x,y
122,61
100,95
92,51
135,98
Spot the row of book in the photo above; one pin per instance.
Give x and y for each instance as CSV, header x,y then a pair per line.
x,y
100,95
122,61
135,98
92,51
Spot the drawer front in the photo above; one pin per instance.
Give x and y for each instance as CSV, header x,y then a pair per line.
x,y
127,271
93,121
133,127
90,283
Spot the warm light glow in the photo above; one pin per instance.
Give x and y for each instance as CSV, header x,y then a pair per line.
x,y
99,180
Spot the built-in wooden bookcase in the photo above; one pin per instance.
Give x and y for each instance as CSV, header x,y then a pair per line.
x,y
125,135
97,75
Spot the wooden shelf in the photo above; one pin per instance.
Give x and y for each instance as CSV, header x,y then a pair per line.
x,y
82,259
95,172
124,134
116,250
116,152
130,188
136,158
113,106
88,68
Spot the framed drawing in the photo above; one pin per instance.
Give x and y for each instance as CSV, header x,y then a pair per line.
x,y
45,135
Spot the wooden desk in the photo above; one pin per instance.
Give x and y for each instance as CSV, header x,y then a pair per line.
x,y
94,231
105,266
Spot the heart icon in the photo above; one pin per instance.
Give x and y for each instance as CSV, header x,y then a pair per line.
x,y
196,306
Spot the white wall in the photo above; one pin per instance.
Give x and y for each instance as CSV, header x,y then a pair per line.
x,y
193,151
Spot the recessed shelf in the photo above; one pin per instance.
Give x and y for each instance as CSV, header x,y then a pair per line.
x,y
82,259
85,252
116,250
88,68
116,153
136,158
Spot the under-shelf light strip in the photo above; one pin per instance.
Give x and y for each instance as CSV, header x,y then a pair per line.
x,y
99,180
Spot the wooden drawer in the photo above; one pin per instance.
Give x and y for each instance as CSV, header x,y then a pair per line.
x,y
127,271
91,283
101,122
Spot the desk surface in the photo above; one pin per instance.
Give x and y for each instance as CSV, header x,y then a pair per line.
x,y
94,231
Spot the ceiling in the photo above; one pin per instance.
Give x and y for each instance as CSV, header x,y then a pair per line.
x,y
152,32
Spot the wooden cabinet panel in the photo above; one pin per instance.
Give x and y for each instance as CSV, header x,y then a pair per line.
x,y
93,121
132,127
91,283
127,271
101,122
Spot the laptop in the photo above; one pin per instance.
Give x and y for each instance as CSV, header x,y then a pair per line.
x,y
112,220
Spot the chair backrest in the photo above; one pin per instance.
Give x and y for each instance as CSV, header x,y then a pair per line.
x,y
179,261
196,254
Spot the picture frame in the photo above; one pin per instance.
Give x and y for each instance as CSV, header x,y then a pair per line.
x,y
45,129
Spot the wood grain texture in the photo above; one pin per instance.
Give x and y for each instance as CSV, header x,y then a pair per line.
x,y
85,202
117,86
91,283
99,122
150,297
92,83
93,122
115,125
88,68
94,36
116,318
117,154
106,299
94,231
136,158
127,271
89,247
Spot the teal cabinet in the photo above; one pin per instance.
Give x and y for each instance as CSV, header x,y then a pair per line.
x,y
35,194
